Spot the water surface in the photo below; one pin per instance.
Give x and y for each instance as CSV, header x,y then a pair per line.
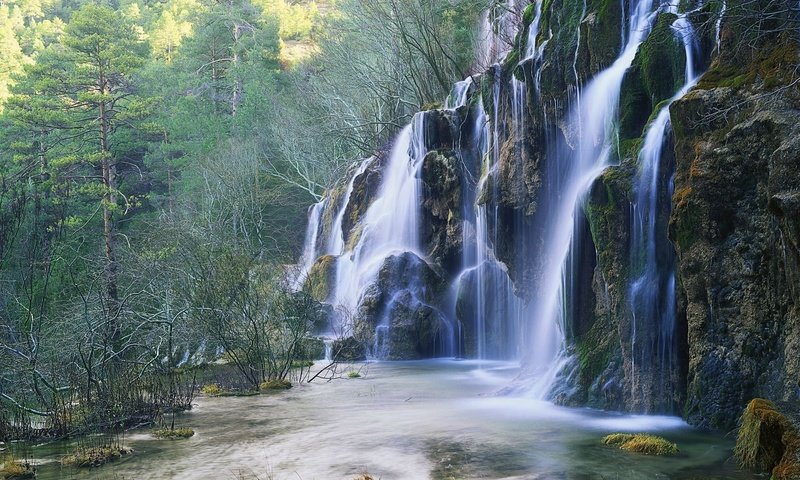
x,y
406,420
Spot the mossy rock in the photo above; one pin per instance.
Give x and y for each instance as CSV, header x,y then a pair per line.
x,y
95,456
768,441
656,74
276,384
172,434
17,470
321,278
348,349
641,443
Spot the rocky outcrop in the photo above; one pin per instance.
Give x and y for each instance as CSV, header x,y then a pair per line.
x,y
399,316
321,279
734,226
442,210
733,236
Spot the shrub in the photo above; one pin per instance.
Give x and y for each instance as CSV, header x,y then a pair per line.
x,y
353,374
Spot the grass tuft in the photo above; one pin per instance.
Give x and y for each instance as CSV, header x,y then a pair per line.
x,y
12,469
212,389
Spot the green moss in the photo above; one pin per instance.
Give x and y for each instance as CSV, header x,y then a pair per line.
x,y
276,384
13,469
486,86
319,282
642,443
172,434
774,65
529,14
95,456
768,441
657,72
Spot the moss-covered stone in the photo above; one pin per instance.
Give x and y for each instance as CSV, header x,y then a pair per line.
x,y
768,441
276,384
321,279
642,443
656,74
172,433
95,456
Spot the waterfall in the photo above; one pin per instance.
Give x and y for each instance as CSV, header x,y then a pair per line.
x,y
488,318
652,292
335,245
391,223
592,119
309,255
458,96
533,31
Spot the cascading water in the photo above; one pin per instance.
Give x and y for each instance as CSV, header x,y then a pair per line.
x,y
335,244
310,254
592,119
493,321
652,292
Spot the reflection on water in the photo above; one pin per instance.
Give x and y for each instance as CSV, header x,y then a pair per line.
x,y
410,420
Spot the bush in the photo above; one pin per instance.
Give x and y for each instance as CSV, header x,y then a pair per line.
x,y
353,374
642,443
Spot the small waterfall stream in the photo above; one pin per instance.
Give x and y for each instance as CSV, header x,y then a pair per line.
x,y
652,293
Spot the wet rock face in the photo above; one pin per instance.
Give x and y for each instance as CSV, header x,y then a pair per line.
x,y
442,213
365,188
399,314
735,229
321,279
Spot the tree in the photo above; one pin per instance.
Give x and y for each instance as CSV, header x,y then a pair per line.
x,y
80,102
230,37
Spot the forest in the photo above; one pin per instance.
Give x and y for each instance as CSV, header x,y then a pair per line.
x,y
580,204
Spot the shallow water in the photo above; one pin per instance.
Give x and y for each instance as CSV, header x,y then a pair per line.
x,y
410,420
